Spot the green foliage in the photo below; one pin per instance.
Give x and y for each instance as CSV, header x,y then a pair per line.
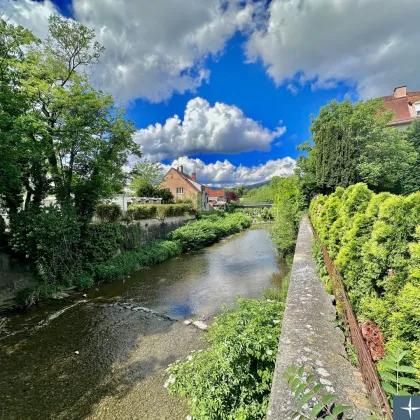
x,y
353,143
146,172
257,213
196,235
101,242
151,211
108,212
411,180
59,134
49,238
132,234
374,241
312,394
264,194
232,378
130,261
397,379
287,215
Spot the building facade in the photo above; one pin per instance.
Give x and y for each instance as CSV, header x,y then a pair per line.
x,y
217,198
406,106
184,186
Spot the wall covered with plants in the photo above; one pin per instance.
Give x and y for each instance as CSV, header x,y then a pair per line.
x,y
374,239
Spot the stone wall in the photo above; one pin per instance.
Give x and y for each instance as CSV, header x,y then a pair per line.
x,y
310,337
13,277
153,229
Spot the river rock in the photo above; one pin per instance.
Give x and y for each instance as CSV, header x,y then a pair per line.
x,y
187,322
201,325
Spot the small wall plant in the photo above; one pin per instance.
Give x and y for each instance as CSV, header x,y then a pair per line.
x,y
312,399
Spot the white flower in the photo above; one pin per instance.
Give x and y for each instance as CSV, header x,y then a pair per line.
x,y
269,352
276,321
189,358
188,417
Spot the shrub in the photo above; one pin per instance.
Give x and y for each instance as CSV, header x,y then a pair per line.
x,y
49,238
108,212
131,236
141,211
198,234
232,379
130,261
374,239
101,242
151,211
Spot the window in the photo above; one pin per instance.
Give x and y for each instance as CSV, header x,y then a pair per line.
x,y
180,190
417,107
220,198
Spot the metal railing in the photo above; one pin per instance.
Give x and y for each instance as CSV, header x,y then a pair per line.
x,y
366,364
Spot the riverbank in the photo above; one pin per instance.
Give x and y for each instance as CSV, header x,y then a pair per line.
x,y
123,354
192,236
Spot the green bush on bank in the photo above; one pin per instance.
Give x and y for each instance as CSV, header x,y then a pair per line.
x,y
151,211
130,261
374,240
232,378
198,234
108,212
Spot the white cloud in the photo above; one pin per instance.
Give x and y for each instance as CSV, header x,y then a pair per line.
x,y
30,14
205,129
373,43
224,174
153,48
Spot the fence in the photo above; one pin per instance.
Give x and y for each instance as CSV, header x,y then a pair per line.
x,y
367,367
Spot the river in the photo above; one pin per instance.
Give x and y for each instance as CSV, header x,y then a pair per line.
x,y
95,357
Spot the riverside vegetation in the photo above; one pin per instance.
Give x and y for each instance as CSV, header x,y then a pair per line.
x,y
66,253
374,242
232,378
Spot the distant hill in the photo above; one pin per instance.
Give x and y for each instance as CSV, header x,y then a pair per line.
x,y
257,185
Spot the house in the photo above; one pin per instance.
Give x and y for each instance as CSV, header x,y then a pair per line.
x,y
406,106
184,186
217,198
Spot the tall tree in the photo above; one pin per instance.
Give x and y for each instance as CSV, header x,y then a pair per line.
x,y
146,172
17,157
411,181
352,143
85,138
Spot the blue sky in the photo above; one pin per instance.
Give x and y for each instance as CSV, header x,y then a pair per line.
x,y
226,87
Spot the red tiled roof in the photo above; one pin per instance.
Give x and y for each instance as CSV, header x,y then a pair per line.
x,y
401,107
215,193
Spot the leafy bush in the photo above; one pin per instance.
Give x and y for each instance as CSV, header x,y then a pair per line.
x,y
232,379
198,234
108,212
132,234
130,261
151,211
101,242
50,239
374,240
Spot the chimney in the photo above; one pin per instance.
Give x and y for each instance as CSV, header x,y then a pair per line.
x,y
194,177
400,92
181,169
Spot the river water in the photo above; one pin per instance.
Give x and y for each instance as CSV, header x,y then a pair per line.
x,y
95,357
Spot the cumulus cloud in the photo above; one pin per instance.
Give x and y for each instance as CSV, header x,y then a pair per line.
x,y
205,129
30,14
224,174
373,43
153,48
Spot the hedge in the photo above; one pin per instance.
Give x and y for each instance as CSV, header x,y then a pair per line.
x,y
108,212
151,211
374,240
198,234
